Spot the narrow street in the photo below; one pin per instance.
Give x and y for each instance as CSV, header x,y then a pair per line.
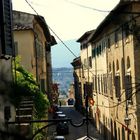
x,y
74,132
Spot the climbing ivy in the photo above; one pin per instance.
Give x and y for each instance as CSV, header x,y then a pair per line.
x,y
25,85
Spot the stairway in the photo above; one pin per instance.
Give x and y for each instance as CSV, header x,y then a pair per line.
x,y
24,113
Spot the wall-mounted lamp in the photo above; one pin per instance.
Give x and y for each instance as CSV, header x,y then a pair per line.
x,y
127,120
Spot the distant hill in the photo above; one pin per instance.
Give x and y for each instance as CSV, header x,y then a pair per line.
x,y
61,56
63,76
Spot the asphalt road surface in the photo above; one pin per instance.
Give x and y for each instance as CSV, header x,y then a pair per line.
x,y
75,132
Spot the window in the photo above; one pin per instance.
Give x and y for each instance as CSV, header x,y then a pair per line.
x,y
113,74
98,83
100,49
128,87
110,85
109,67
95,80
93,53
90,61
102,84
108,43
128,82
83,76
128,62
116,38
15,48
123,72
105,83
126,30
117,86
6,29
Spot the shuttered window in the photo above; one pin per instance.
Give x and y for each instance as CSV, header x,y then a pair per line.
x,y
110,85
117,86
128,87
105,84
6,27
90,61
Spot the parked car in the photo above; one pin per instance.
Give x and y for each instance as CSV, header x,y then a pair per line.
x,y
62,128
70,101
59,138
55,115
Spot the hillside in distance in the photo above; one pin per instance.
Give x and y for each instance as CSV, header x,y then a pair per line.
x,y
64,77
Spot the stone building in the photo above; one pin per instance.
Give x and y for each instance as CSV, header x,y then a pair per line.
x,y
77,83
114,50
7,111
33,43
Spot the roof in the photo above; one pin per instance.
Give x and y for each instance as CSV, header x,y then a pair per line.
x,y
85,36
29,25
112,16
76,62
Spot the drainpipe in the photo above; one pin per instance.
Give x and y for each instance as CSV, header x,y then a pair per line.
x,y
35,47
126,108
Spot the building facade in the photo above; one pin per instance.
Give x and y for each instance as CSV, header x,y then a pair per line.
x,y
114,74
33,43
7,110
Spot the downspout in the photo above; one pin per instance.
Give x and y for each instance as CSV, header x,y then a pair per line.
x,y
126,103
35,47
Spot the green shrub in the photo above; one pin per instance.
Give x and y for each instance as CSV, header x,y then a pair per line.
x,y
25,85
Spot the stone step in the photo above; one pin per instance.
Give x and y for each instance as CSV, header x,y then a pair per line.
x,y
23,118
24,111
27,98
26,106
26,102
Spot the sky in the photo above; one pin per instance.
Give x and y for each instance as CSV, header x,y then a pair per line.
x,y
69,19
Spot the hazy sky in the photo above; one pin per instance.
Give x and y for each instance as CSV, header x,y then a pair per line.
x,y
68,18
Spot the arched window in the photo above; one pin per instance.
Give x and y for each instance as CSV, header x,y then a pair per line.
x,y
128,81
117,81
128,62
109,67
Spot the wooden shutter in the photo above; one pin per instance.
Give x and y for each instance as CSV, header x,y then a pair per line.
x,y
6,27
117,86
128,86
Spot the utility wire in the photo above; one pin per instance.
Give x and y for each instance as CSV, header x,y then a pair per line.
x,y
87,7
56,35
52,30
121,101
